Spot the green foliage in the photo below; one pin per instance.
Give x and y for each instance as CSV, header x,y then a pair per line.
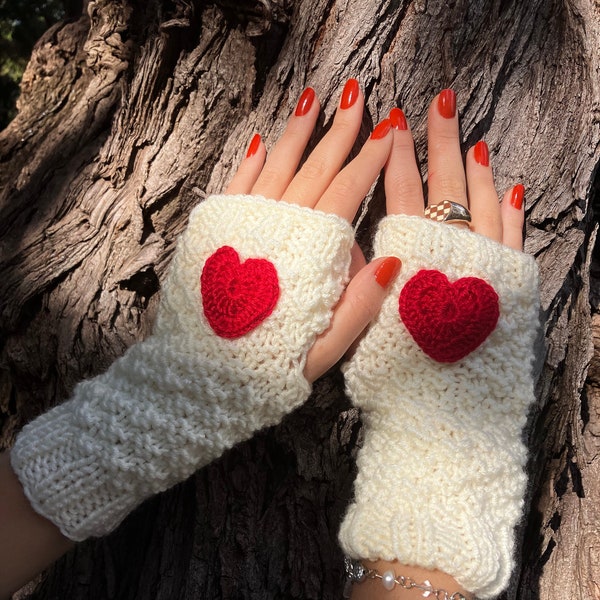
x,y
22,22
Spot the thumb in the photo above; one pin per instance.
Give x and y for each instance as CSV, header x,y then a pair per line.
x,y
357,307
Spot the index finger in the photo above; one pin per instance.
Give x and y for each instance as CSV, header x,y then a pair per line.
x,y
249,169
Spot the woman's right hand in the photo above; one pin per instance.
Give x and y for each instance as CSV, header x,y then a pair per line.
x,y
471,185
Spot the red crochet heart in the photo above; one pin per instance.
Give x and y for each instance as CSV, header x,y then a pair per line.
x,y
448,320
237,297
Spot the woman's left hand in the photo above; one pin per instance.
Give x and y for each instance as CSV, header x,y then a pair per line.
x,y
322,184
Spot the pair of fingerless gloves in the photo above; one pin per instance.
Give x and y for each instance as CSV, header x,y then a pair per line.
x,y
443,380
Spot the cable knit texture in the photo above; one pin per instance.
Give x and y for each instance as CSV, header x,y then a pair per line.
x,y
441,477
226,358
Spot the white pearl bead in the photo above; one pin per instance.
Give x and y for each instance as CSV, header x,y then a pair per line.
x,y
389,580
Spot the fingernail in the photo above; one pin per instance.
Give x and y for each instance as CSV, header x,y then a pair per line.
x,y
305,102
387,271
254,145
398,119
447,103
516,198
481,153
350,94
381,130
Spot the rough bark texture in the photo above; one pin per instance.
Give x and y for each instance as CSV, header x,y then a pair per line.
x,y
133,112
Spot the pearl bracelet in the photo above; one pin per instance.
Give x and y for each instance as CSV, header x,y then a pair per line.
x,y
356,572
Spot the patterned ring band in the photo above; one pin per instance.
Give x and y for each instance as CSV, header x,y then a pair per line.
x,y
449,212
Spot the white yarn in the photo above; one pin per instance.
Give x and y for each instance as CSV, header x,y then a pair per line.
x,y
176,401
441,473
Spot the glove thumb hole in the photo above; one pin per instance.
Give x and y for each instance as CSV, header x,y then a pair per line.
x,y
357,307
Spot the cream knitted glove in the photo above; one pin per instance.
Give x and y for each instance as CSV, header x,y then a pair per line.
x,y
444,381
226,358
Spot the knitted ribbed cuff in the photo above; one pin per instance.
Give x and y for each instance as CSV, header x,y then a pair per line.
x,y
443,378
252,283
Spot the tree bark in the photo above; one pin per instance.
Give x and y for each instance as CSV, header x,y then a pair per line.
x,y
129,115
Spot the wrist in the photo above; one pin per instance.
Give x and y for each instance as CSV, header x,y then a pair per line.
x,y
390,580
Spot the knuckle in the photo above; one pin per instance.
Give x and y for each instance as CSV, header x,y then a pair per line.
x,y
405,187
405,145
364,306
313,169
444,142
344,187
269,176
488,222
447,187
341,124
294,137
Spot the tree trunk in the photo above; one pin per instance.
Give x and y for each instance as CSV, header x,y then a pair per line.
x,y
131,114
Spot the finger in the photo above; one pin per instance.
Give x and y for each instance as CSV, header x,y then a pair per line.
x,y
403,185
357,260
327,158
249,169
446,174
355,310
351,185
483,199
513,217
285,156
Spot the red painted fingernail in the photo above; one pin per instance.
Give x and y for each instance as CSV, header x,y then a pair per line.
x,y
398,119
254,145
387,271
305,102
381,130
516,199
481,153
447,103
350,94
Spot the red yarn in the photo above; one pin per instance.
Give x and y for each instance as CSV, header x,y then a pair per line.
x,y
448,320
237,297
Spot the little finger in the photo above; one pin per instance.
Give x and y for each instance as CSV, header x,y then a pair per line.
x,y
513,217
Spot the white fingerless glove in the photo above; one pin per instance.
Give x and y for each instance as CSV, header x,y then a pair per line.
x,y
252,283
444,382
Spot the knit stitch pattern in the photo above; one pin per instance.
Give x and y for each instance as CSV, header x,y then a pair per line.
x,y
176,401
441,477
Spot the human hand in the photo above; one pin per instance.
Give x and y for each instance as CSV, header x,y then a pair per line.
x,y
471,185
177,400
443,377
322,184
252,284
